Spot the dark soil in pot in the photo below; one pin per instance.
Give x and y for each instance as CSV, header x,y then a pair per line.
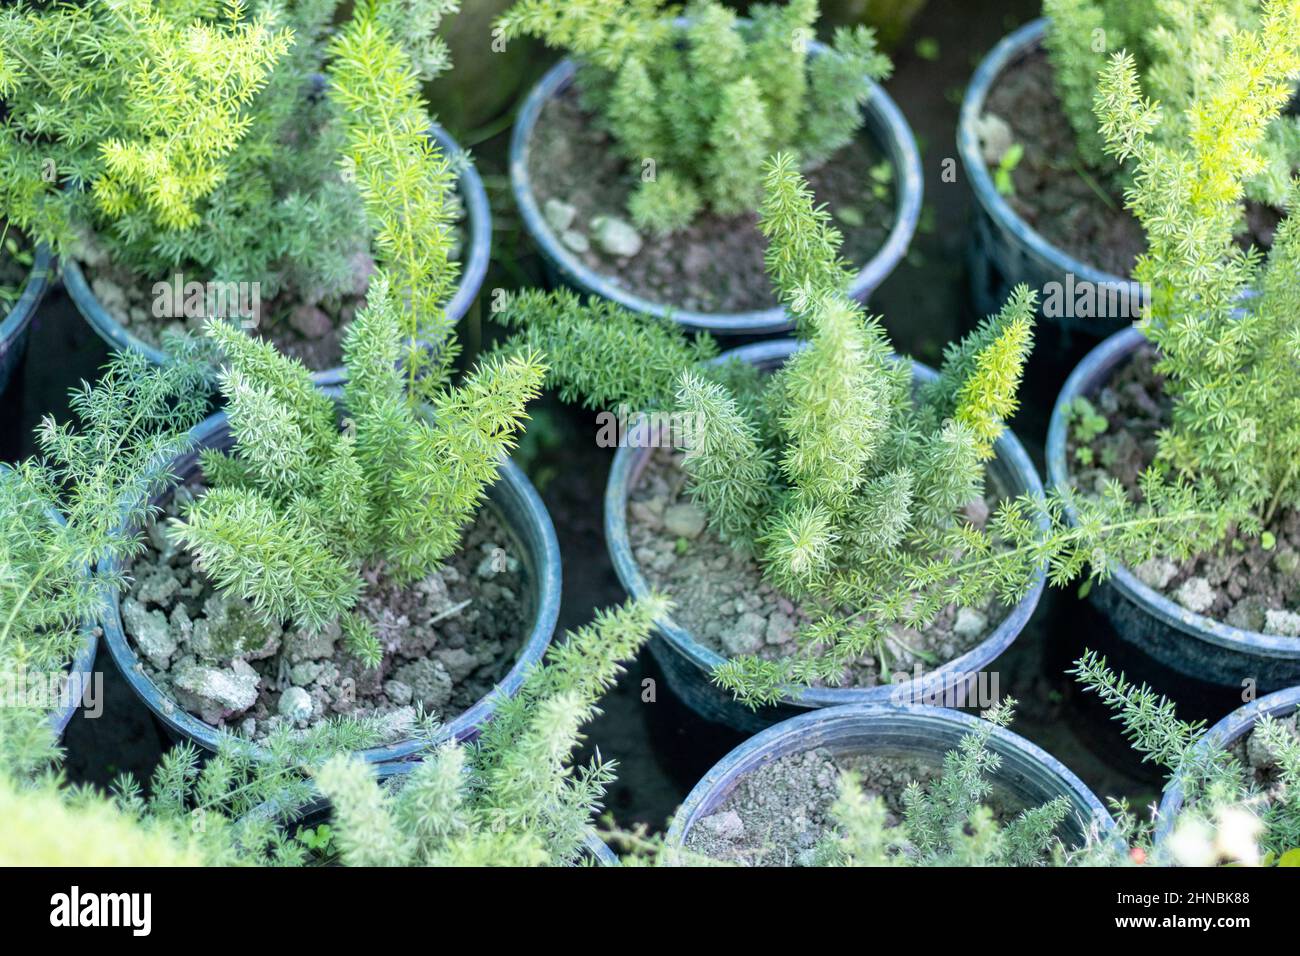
x,y
723,601
1239,583
715,264
448,639
777,815
1073,208
1051,192
302,323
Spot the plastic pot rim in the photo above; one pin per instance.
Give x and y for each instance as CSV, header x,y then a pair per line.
x,y
1222,735
1008,49
83,661
35,285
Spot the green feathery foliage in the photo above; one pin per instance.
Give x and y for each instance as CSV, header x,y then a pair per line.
x,y
513,798
69,509
732,472
1228,359
1214,782
708,103
299,508
829,470
1178,48
143,102
599,353
802,256
226,810
104,99
946,823
405,182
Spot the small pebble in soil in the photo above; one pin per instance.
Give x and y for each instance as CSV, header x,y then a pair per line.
x,y
615,237
295,704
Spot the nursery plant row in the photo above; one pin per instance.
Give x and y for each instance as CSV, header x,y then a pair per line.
x,y
288,514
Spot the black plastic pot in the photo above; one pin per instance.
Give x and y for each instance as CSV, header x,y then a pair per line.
x,y
82,664
884,122
1005,250
688,665
521,511
1028,774
474,265
1223,735
1190,644
15,325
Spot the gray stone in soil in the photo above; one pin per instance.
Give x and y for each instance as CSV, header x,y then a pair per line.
x,y
231,629
575,240
684,521
152,632
312,646
1285,623
217,693
1156,573
726,825
429,681
458,662
995,137
747,636
157,587
1196,595
311,321
295,704
398,693
970,622
1248,613
615,237
559,214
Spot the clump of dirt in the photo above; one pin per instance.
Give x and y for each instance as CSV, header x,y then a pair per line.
x,y
779,814
1071,207
724,602
715,265
1239,583
447,640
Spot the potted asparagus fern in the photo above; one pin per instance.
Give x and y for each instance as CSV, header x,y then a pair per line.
x,y
868,785
300,572
637,163
62,515
1231,791
516,798
186,165
1049,198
